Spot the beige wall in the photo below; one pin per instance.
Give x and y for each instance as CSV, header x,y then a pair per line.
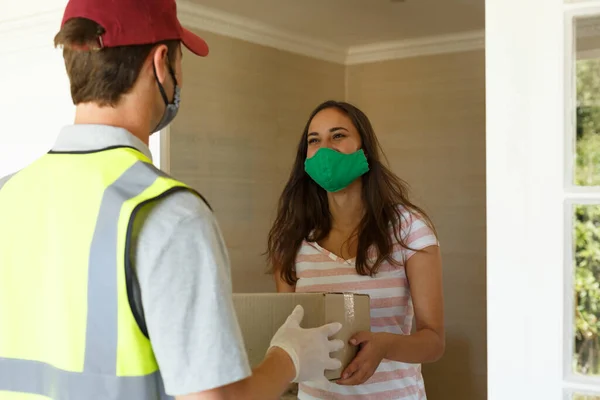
x,y
429,113
242,113
243,110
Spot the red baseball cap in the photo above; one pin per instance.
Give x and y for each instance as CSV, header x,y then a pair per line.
x,y
135,22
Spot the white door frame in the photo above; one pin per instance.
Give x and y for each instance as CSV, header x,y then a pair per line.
x,y
160,147
524,161
530,118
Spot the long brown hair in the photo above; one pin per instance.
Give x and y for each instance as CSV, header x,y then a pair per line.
x,y
303,211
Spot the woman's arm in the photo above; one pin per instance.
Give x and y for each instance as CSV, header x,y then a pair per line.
x,y
427,344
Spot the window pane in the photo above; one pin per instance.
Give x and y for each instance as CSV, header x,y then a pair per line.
x,y
586,246
587,69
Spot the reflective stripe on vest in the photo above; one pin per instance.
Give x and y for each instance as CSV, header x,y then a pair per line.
x,y
99,378
34,377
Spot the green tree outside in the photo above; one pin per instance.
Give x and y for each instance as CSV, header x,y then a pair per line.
x,y
587,222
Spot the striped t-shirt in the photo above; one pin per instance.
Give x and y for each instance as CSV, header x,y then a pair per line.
x,y
319,270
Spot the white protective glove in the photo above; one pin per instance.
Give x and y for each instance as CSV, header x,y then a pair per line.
x,y
309,349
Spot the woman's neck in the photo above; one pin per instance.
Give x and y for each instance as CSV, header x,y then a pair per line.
x,y
346,208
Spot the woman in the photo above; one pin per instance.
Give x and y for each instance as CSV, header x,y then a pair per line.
x,y
345,224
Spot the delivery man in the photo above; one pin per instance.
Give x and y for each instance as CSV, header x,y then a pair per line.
x,y
114,278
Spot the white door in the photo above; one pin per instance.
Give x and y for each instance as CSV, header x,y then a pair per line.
x,y
160,147
543,212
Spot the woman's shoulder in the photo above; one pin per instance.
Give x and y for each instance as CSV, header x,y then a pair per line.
x,y
409,216
416,230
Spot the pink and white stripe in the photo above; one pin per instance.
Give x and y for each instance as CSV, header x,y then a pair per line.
x,y
319,270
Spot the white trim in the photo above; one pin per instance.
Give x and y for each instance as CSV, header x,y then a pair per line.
x,y
160,147
583,196
165,150
570,100
589,388
524,198
568,294
453,43
207,19
581,5
199,17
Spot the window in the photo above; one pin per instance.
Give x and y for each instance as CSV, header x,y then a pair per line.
x,y
582,205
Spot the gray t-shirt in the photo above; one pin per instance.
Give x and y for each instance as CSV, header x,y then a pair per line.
x,y
184,277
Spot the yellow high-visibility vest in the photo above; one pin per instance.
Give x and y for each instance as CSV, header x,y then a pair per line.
x,y
68,330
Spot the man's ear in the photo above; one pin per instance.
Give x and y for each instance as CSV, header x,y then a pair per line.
x,y
160,58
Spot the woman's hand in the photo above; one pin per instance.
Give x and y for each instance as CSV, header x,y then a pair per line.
x,y
373,347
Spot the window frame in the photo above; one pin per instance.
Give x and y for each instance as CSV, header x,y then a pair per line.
x,y
573,195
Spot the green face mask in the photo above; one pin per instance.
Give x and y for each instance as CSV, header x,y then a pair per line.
x,y
334,171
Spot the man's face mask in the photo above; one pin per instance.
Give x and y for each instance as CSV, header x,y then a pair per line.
x,y
334,171
171,108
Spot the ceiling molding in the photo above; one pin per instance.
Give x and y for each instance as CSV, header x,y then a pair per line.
x,y
393,50
207,19
37,30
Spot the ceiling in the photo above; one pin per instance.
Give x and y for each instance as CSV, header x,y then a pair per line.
x,y
358,22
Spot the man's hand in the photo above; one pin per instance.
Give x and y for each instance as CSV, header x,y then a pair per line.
x,y
309,349
373,347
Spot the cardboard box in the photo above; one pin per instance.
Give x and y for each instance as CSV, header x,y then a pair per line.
x,y
261,314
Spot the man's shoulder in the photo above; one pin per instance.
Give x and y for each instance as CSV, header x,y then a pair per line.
x,y
5,179
181,205
160,218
